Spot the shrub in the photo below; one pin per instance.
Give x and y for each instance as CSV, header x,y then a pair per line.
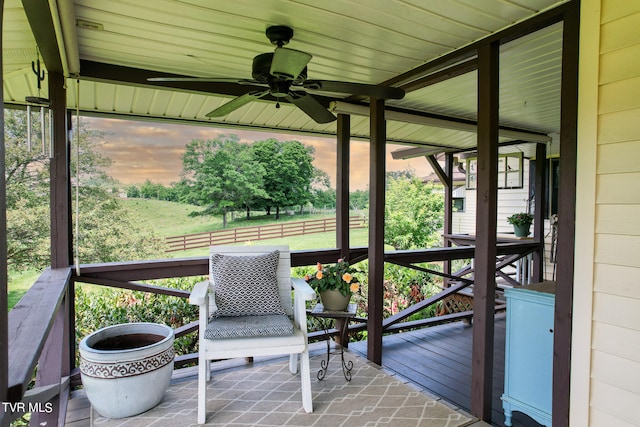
x,y
403,287
99,307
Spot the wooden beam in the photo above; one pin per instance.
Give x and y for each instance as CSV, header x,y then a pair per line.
x,y
538,215
142,287
342,184
442,75
440,121
566,217
146,270
4,332
446,178
513,32
437,169
60,182
41,23
485,254
118,74
377,172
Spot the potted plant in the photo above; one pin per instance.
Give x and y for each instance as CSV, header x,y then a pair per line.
x,y
335,283
521,223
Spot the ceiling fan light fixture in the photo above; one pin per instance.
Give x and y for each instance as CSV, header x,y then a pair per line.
x,y
288,63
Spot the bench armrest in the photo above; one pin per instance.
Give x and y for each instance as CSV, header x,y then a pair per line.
x,y
302,289
200,293
301,292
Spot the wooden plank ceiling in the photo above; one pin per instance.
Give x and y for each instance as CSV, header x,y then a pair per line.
x,y
122,42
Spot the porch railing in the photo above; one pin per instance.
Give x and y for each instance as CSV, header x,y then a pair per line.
x,y
41,325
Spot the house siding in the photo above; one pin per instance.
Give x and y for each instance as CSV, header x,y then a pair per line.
x,y
606,341
510,201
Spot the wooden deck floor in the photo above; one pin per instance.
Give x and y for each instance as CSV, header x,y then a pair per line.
x,y
439,360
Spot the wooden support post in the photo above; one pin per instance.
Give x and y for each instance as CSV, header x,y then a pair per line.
x,y
71,289
537,274
342,201
377,173
485,252
342,185
566,217
4,331
60,183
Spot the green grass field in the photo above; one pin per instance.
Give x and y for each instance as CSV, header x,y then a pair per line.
x,y
19,283
173,219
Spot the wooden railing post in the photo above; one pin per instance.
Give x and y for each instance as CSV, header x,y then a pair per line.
x,y
53,366
540,207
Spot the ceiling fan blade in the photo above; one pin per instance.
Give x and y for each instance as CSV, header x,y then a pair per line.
x,y
236,103
206,80
288,63
310,106
374,91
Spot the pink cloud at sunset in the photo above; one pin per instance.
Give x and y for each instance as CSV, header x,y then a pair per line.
x,y
153,151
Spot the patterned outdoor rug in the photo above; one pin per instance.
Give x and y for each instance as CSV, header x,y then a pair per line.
x,y
268,395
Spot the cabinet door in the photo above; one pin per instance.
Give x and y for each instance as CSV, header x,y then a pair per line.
x,y
530,341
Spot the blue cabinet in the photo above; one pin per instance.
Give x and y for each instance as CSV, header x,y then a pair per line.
x,y
528,369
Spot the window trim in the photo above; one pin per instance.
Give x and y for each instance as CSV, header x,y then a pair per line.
x,y
503,178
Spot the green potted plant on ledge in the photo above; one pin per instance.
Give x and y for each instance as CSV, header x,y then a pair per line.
x,y
335,283
521,223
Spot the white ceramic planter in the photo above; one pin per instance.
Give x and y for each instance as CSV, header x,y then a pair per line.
x,y
126,368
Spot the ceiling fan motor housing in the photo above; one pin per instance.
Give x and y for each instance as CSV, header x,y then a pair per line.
x,y
284,68
260,70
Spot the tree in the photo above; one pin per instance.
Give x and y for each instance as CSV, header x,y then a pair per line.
x,y
322,195
289,172
414,214
108,232
222,175
133,192
359,199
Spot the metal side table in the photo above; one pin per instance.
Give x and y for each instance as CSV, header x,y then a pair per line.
x,y
326,319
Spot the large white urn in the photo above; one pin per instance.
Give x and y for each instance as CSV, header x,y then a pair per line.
x,y
126,368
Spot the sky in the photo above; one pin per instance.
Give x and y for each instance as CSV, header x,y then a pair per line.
x,y
142,150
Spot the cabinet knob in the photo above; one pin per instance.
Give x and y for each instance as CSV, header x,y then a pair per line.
x,y
551,330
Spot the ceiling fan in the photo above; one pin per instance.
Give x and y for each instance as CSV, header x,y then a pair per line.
x,y
283,74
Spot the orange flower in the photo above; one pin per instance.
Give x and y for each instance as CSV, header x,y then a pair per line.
x,y
354,287
347,277
319,266
319,275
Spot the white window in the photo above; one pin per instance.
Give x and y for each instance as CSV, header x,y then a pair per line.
x,y
509,171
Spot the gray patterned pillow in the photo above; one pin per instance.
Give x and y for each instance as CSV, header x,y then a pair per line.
x,y
275,325
246,285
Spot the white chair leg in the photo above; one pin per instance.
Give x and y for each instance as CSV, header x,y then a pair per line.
x,y
293,363
207,364
305,380
203,375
